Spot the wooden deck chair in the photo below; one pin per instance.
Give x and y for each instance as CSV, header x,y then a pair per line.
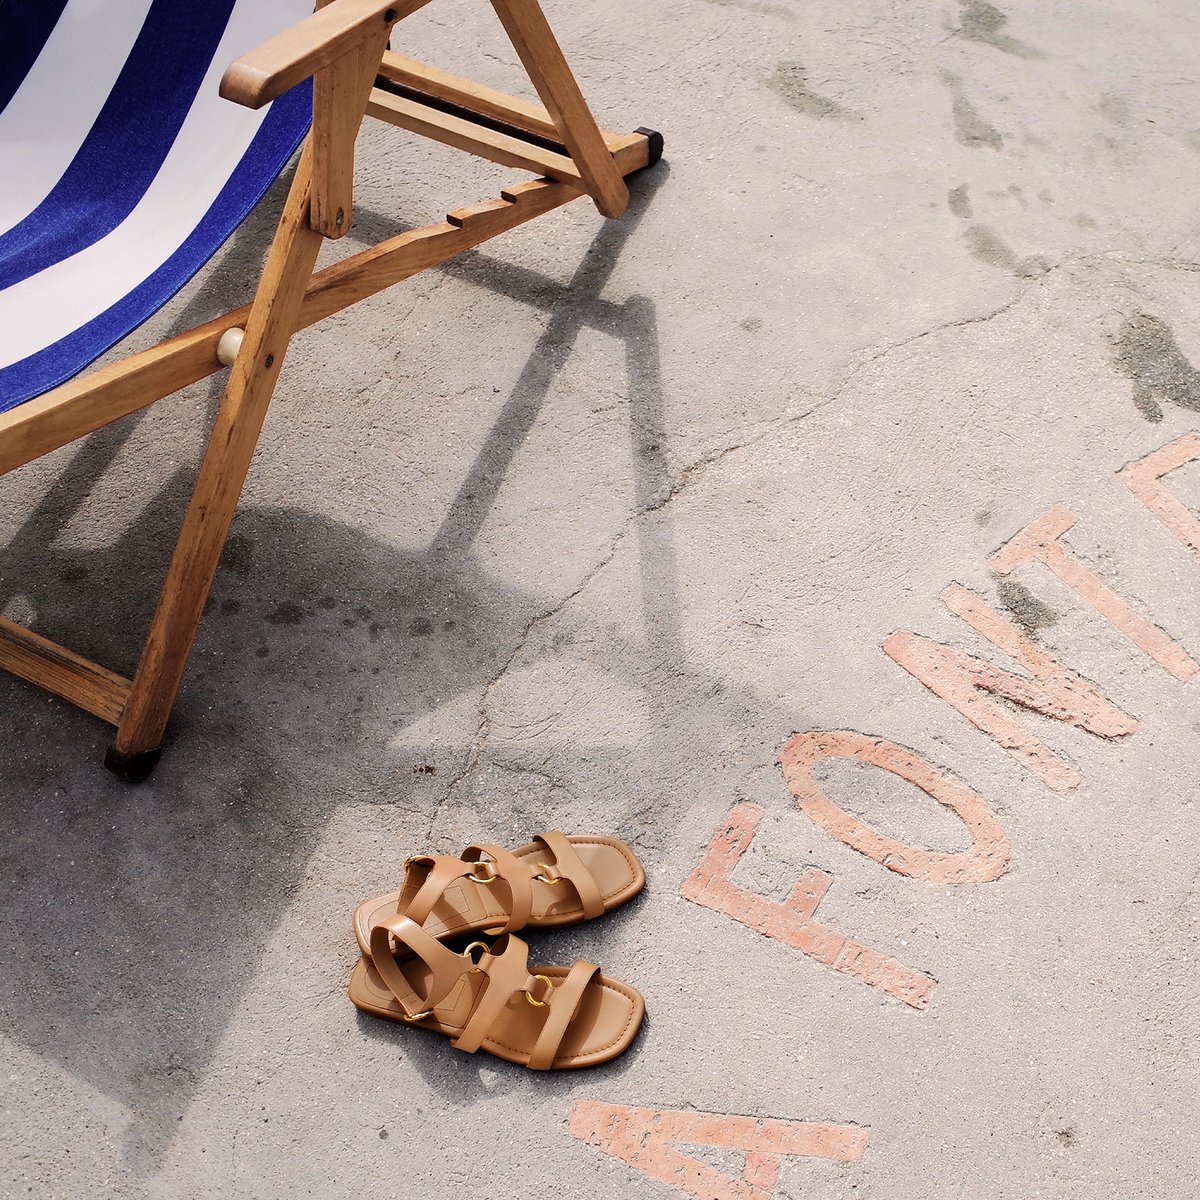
x,y
130,149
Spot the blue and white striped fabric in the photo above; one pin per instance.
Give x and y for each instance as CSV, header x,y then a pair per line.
x,y
121,168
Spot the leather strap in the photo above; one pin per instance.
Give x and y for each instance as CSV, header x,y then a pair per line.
x,y
570,866
446,966
507,969
426,880
564,1003
428,877
515,876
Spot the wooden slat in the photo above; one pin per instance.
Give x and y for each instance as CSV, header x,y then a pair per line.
x,y
475,139
290,57
92,401
38,660
539,51
479,98
466,93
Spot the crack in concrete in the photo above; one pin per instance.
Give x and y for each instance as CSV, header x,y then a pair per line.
x,y
685,479
692,473
960,323
539,772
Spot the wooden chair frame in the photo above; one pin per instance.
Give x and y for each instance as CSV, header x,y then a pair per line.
x,y
343,48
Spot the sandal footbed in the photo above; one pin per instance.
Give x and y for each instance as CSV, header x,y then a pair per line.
x,y
467,907
607,1021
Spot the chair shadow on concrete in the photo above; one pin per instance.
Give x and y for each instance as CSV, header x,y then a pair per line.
x,y
135,919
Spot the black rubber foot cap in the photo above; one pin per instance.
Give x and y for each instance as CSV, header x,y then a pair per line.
x,y
131,768
656,144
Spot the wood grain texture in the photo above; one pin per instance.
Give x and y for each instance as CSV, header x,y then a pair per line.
x,y
539,51
273,319
475,139
38,660
487,101
262,74
455,89
340,93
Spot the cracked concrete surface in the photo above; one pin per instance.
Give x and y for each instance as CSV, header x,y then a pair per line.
x,y
577,532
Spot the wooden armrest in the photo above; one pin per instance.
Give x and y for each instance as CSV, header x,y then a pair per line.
x,y
293,55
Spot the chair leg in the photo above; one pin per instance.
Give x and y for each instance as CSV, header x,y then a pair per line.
x,y
321,188
539,51
231,446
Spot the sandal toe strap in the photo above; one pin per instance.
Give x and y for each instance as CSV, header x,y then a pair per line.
x,y
563,1002
569,866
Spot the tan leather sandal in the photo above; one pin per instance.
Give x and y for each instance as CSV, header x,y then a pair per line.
x,y
488,998
555,880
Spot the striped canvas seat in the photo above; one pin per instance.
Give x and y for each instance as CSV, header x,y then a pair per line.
x,y
121,168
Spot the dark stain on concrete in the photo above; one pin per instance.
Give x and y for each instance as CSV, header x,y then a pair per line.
x,y
1066,1137
1114,109
420,627
983,516
1084,221
970,126
983,22
986,245
1032,614
238,555
791,82
327,602
231,607
752,324
1147,353
960,202
288,613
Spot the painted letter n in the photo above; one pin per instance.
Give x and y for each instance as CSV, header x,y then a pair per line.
x,y
1050,688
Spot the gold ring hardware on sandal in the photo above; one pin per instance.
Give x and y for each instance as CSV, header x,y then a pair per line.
x,y
475,962
491,878
417,1016
549,988
546,877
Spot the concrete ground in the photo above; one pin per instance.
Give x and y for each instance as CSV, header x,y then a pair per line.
x,y
578,532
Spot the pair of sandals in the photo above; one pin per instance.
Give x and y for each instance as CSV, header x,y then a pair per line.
x,y
487,997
